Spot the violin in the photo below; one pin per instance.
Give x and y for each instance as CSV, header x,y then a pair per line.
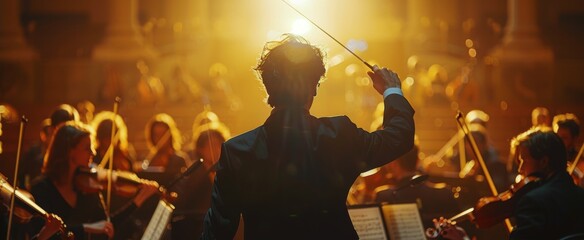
x,y
125,184
25,208
494,209
491,210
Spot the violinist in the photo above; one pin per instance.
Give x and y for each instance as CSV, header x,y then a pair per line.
x,y
25,215
124,155
553,209
84,213
165,159
567,126
52,225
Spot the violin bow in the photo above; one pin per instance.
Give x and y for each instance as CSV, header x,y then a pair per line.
x,y
23,122
575,162
462,124
333,38
111,157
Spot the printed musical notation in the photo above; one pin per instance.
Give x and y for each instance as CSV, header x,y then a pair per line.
x,y
368,222
157,225
403,221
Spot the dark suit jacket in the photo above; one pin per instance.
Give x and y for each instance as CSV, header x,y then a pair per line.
x,y
554,210
290,177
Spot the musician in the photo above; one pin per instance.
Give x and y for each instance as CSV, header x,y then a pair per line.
x,y
32,162
195,191
124,156
72,147
554,209
165,160
289,178
567,126
433,199
33,159
50,227
496,167
540,117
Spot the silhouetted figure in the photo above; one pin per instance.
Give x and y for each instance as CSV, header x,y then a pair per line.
x,y
289,178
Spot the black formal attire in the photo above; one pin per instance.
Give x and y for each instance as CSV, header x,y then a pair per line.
x,y
551,211
88,208
290,177
194,199
31,165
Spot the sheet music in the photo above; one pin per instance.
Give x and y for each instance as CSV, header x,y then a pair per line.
x,y
368,223
403,221
158,222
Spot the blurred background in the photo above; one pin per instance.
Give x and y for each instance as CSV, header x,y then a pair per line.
x,y
504,57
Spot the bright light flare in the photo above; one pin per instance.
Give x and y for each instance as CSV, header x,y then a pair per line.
x,y
357,45
300,26
297,2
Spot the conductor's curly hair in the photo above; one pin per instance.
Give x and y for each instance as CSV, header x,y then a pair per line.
x,y
290,70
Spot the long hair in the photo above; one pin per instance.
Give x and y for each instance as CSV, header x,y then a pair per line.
x,y
290,70
65,138
102,123
202,133
168,121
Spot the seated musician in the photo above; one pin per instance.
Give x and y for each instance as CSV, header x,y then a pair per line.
x,y
553,209
433,199
71,147
567,126
124,155
195,190
51,227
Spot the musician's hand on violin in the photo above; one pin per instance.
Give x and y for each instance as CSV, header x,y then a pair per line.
x,y
449,230
53,224
383,79
101,227
147,189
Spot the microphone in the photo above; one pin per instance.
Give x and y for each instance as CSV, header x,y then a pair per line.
x,y
193,167
186,173
415,180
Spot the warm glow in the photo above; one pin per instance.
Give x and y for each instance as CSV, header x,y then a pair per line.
x,y
297,2
336,60
472,52
409,81
370,172
469,43
357,45
300,26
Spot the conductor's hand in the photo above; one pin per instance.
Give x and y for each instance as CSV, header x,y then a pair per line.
x,y
383,79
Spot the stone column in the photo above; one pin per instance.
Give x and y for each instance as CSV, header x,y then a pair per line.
x,y
13,46
17,58
522,66
123,41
